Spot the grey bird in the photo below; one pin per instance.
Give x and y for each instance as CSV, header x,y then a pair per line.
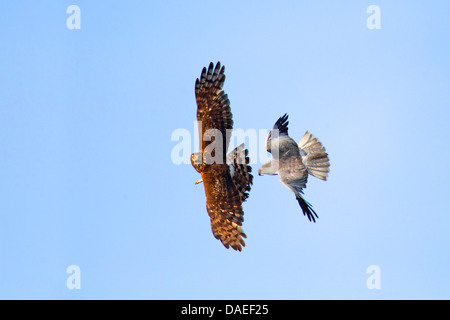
x,y
293,163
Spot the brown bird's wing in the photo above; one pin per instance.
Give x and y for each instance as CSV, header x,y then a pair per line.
x,y
213,109
224,206
225,195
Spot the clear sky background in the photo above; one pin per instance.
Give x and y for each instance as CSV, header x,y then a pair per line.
x,y
87,178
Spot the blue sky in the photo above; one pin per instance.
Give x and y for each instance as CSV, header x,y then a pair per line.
x,y
87,179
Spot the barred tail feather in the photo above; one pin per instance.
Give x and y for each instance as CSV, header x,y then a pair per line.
x,y
240,171
314,156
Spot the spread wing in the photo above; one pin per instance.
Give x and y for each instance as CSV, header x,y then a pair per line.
x,y
278,142
224,198
224,206
226,184
213,108
294,175
279,129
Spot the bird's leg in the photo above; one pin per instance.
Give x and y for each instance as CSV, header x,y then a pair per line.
x,y
199,181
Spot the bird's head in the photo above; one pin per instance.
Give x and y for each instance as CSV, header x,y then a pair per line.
x,y
197,162
269,168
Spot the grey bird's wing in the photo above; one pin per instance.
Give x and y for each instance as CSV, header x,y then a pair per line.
x,y
293,174
278,142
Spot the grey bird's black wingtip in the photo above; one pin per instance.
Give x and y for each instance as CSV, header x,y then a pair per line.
x,y
282,124
307,209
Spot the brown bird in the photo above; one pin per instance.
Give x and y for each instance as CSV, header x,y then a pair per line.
x,y
227,179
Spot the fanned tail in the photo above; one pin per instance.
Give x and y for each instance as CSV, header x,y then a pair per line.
x,y
240,170
314,156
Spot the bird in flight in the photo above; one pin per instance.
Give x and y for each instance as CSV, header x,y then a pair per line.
x,y
227,179
293,163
